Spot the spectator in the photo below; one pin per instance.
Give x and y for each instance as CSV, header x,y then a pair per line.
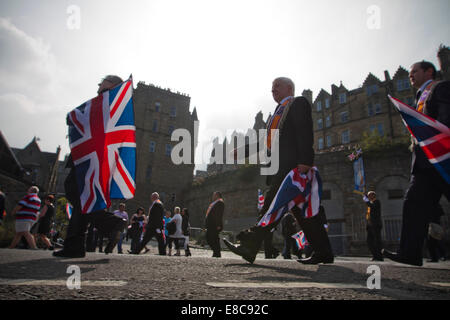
x,y
26,212
121,213
138,220
45,221
185,227
177,237
374,225
167,218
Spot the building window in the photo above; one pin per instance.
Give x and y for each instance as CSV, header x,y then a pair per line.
x,y
377,128
319,105
342,98
327,103
345,136
403,84
370,109
320,124
380,129
148,173
152,146
328,121
344,116
155,126
377,108
168,149
372,89
171,129
173,111
320,143
329,142
157,106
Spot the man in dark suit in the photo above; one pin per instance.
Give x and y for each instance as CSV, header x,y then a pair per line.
x,y
214,223
293,119
374,225
75,241
426,185
155,225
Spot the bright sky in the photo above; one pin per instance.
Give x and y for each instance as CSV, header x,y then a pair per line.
x,y
223,53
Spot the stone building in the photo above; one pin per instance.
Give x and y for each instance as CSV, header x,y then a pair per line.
x,y
21,168
158,112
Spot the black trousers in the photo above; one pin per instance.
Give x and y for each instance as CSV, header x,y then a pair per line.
x,y
105,222
269,250
149,234
421,201
374,242
313,227
212,238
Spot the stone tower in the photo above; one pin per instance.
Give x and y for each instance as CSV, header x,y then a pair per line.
x,y
158,113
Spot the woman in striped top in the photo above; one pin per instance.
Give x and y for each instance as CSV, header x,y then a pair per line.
x,y
26,212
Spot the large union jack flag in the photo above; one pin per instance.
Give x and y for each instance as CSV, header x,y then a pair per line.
x,y
103,147
432,136
301,190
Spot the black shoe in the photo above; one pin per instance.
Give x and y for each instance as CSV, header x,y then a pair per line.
x,y
244,252
432,260
69,254
398,258
316,259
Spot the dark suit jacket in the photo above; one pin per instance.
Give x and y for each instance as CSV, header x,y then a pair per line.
x,y
296,139
215,216
437,106
375,215
155,218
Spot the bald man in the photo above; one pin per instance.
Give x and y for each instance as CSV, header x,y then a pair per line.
x,y
155,225
292,117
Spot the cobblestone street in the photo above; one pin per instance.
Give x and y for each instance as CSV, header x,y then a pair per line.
x,y
27,274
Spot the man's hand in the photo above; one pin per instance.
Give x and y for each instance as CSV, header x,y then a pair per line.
x,y
303,168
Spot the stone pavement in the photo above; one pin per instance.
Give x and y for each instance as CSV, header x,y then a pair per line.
x,y
28,274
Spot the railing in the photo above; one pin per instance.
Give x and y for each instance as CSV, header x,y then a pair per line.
x,y
391,230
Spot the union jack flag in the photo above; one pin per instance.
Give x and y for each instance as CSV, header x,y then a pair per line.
x,y
301,190
103,147
432,136
260,199
300,240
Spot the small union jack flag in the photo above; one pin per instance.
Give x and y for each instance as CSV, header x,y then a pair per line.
x,y
260,199
300,240
103,147
432,136
69,210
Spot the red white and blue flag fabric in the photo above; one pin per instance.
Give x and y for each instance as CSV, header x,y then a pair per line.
x,y
260,199
69,210
432,136
301,190
300,240
103,147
